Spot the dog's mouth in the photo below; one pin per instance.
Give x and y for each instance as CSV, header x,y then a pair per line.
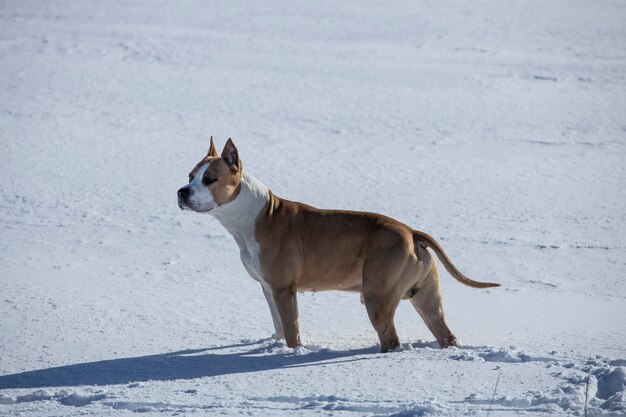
x,y
184,206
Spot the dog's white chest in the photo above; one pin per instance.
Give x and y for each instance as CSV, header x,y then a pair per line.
x,y
249,251
239,218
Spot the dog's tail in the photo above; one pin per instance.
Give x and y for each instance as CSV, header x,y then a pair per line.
x,y
427,241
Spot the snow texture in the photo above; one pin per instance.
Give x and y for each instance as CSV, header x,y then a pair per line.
x,y
497,127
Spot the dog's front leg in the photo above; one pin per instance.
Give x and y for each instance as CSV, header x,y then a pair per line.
x,y
287,305
278,325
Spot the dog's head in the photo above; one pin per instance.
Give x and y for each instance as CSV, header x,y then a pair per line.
x,y
214,181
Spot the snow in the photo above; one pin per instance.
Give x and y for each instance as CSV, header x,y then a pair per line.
x,y
497,127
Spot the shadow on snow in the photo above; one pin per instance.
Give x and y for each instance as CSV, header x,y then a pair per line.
x,y
186,364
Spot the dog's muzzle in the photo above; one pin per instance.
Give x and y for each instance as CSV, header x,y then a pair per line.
x,y
183,195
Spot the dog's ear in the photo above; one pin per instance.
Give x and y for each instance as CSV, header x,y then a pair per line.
x,y
212,150
231,155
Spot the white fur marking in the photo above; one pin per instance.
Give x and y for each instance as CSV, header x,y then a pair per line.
x,y
239,218
202,199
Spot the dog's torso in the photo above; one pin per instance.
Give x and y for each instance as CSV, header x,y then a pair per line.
x,y
289,244
325,249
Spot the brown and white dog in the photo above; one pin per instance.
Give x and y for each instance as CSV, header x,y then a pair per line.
x,y
288,247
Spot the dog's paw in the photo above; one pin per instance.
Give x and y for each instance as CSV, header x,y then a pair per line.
x,y
278,336
300,350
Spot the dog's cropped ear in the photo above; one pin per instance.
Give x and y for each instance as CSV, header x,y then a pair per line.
x,y
212,150
231,155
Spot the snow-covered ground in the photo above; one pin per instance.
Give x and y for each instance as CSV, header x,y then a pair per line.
x,y
498,127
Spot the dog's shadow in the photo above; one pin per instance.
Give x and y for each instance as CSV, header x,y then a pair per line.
x,y
186,364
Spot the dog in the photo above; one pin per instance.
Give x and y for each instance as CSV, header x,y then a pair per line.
x,y
288,247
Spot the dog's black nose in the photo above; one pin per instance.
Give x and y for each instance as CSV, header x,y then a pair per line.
x,y
185,192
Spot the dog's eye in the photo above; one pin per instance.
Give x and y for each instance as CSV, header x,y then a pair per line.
x,y
208,181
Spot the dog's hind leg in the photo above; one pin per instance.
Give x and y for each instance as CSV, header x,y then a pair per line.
x,y
429,305
381,311
381,304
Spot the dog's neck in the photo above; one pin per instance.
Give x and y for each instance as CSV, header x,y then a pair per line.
x,y
240,215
